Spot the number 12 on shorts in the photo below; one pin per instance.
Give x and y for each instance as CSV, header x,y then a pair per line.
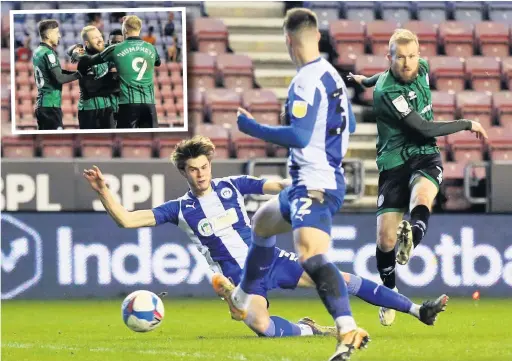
x,y
303,210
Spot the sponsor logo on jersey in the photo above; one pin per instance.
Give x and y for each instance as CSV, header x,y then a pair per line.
x,y
299,109
412,95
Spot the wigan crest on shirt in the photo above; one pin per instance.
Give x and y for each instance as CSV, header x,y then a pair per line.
x,y
299,108
204,227
226,193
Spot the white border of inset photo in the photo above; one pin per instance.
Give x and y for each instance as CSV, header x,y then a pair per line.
x,y
184,128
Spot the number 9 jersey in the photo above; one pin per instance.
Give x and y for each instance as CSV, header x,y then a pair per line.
x,y
135,61
318,101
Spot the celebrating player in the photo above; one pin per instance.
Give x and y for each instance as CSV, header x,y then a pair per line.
x,y
213,215
135,61
318,134
49,77
408,159
97,86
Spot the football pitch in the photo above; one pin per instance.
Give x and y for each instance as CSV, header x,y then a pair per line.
x,y
201,329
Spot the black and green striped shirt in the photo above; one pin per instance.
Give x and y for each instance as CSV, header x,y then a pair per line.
x,y
135,61
49,91
92,103
393,101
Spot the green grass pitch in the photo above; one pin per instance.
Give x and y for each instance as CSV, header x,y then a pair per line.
x,y
201,329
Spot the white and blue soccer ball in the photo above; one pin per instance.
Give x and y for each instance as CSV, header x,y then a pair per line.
x,y
142,311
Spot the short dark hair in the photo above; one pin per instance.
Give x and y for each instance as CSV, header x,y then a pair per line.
x,y
115,32
192,148
45,25
298,19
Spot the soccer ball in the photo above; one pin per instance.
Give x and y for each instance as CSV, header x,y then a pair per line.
x,y
142,311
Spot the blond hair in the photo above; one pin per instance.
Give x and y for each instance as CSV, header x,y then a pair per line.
x,y
132,23
402,36
86,31
192,148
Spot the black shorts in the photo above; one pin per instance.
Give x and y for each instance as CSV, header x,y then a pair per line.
x,y
96,119
137,116
394,184
48,118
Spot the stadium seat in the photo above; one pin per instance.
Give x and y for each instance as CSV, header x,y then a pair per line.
x,y
23,79
173,67
176,79
447,73
201,71
26,109
57,146
326,11
170,108
502,108
492,38
6,58
178,91
236,71
97,146
397,12
443,148
347,38
468,11
166,142
140,146
457,38
22,67
263,105
476,106
70,122
211,35
427,34
453,175
25,96
484,73
221,105
195,106
166,93
431,11
506,69
443,104
18,146
465,146
378,33
369,65
499,143
361,11
500,11
219,135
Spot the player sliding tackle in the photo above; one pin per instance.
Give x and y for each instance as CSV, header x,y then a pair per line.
x,y
213,215
410,166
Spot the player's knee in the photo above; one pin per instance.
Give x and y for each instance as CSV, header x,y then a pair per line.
x,y
258,226
422,198
386,239
259,325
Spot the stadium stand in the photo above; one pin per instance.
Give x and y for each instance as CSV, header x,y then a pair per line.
x,y
237,57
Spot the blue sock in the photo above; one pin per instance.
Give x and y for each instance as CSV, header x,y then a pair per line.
x,y
258,262
279,327
330,285
378,295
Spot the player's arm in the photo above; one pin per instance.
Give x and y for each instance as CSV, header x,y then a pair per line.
x,y
247,184
63,77
302,121
87,61
428,129
367,82
158,62
275,187
351,119
123,218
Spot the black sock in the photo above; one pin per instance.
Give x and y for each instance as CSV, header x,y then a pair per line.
x,y
419,223
386,262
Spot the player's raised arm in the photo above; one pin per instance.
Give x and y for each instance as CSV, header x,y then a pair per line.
x,y
62,76
123,218
366,82
90,60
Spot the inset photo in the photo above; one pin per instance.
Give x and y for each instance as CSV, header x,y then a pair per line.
x,y
99,71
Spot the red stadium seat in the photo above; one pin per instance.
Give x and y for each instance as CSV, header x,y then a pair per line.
x,y
247,147
465,146
348,39
201,71
457,38
378,33
164,81
211,35
195,106
178,91
506,64
68,108
23,79
500,143
170,108
443,147
58,146
263,105
443,104
369,65
222,105
18,146
453,174
492,38
159,108
502,104
70,122
97,146
136,147
22,67
166,93
236,71
23,96
26,109
172,67
176,79
166,142
475,106
219,136
427,33
447,73
484,73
